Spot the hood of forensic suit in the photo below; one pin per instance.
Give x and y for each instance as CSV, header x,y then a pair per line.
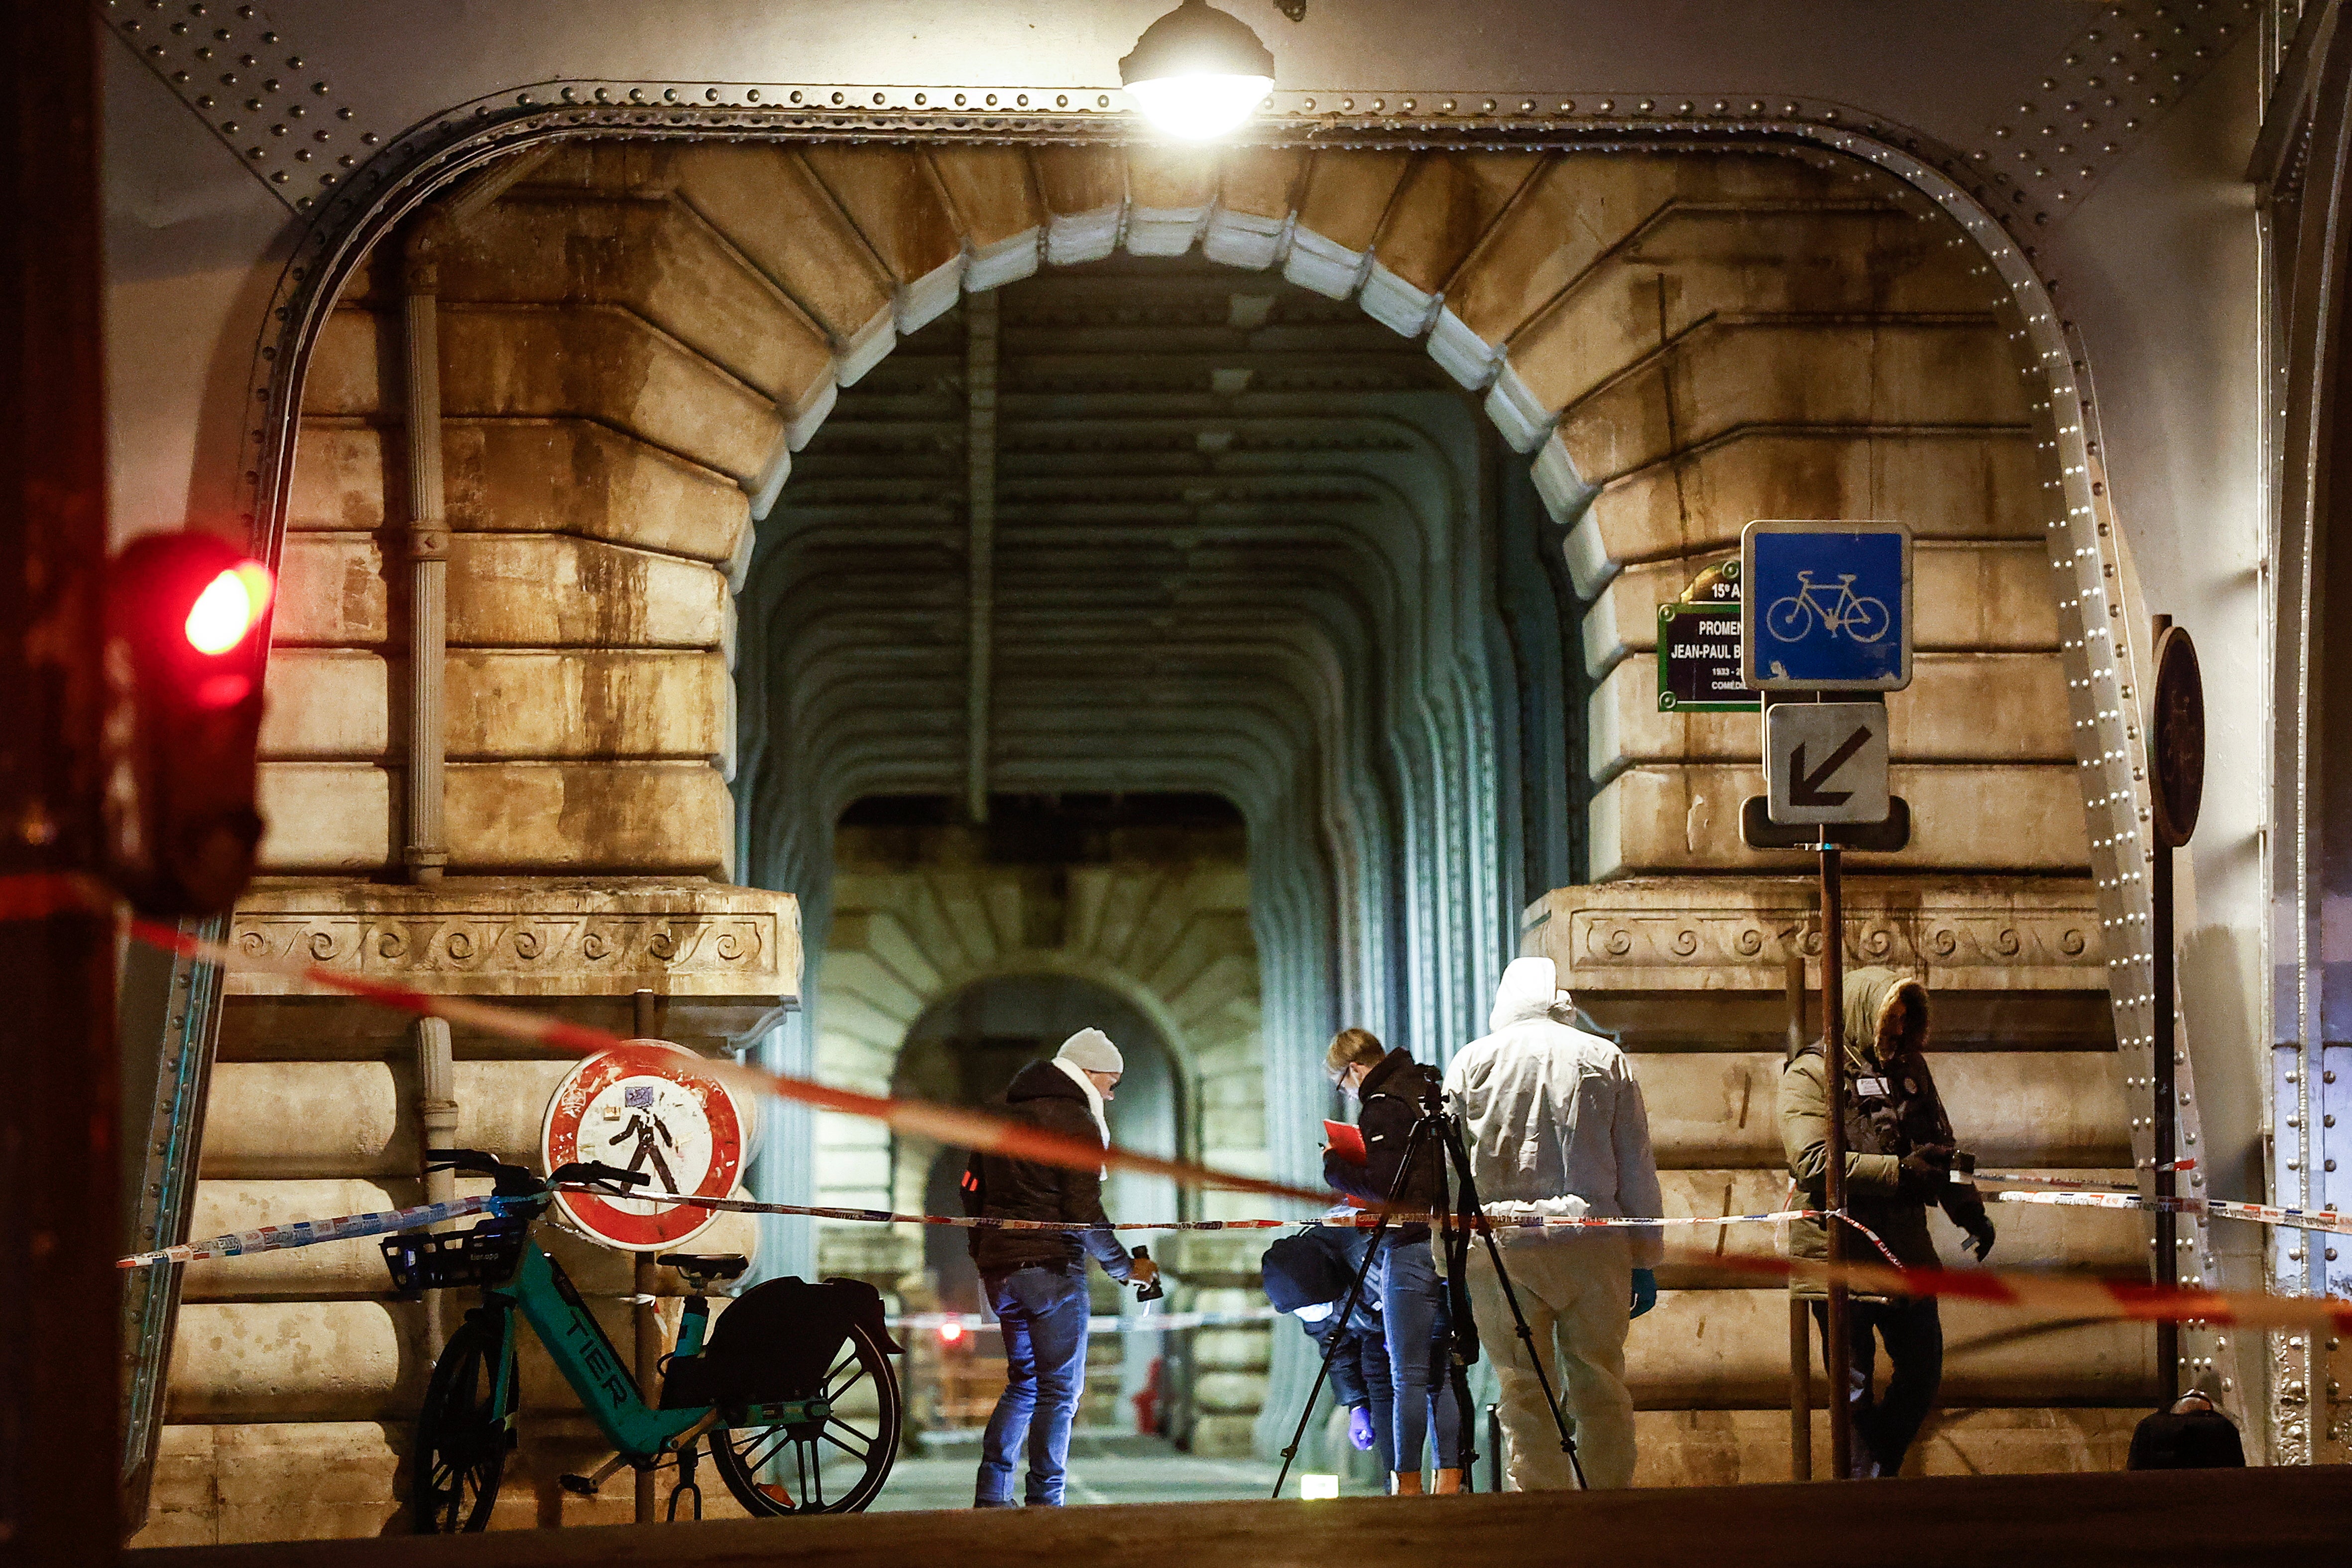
x,y
1530,992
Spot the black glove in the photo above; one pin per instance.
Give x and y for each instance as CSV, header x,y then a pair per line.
x,y
1925,1172
1980,1235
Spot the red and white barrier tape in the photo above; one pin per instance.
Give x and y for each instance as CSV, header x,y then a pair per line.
x,y
2063,1183
1360,1219
972,1130
2076,1295
941,1123
2328,1220
311,1231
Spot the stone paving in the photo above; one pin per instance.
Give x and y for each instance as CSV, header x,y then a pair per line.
x,y
1107,1468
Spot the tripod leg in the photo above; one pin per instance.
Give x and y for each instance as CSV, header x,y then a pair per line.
x,y
1412,1151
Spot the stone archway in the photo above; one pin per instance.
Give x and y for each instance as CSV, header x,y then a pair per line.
x,y
636,336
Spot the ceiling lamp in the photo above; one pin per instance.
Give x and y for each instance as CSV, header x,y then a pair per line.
x,y
1197,72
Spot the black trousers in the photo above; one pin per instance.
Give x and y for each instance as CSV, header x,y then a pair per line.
x,y
1885,1423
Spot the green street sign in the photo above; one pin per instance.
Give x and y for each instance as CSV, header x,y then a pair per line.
x,y
1698,648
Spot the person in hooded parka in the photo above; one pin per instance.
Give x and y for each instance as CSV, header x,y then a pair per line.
x,y
1556,1129
1898,1161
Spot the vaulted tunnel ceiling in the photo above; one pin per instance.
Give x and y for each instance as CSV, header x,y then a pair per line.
x,y
1247,542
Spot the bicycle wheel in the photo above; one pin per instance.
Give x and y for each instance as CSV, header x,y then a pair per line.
x,y
1867,620
1791,619
833,1466
461,1436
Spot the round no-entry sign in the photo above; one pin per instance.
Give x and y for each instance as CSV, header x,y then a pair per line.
x,y
645,1106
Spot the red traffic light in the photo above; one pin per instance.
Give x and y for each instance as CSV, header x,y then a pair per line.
x,y
227,608
186,645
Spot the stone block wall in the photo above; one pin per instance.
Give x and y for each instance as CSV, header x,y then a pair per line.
x,y
634,341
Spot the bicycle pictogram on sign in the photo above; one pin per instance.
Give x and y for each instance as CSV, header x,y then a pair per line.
x,y
1845,613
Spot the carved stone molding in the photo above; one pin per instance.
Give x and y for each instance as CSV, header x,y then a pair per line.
x,y
545,939
1734,933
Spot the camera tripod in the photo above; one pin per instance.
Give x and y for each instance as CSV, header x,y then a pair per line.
x,y
1457,1224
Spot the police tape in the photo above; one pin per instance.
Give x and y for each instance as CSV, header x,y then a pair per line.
x,y
2328,1220
940,1123
311,1232
2073,1295
2078,1295
972,1130
388,1222
2063,1183
1359,1219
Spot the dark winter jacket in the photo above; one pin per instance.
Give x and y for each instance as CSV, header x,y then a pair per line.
x,y
1393,1095
1045,1097
1891,1108
1323,1262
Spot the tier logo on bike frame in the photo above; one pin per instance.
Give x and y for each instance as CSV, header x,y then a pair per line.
x,y
645,1106
1826,606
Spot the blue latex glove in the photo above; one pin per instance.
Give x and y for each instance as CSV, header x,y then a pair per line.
x,y
1360,1428
1645,1291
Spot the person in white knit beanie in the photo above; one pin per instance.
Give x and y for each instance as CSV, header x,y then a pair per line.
x,y
1035,1280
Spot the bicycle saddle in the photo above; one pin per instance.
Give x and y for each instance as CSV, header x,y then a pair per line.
x,y
707,1265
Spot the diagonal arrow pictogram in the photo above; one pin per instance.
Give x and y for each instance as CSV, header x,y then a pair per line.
x,y
1805,788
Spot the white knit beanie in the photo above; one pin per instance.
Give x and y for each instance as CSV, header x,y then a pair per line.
x,y
1090,1050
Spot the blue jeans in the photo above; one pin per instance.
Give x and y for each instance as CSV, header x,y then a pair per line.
x,y
1884,1426
1413,1305
1043,1314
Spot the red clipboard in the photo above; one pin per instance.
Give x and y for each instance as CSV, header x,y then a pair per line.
x,y
1347,1141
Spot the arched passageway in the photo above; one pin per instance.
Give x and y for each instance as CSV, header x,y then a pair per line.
x,y
636,338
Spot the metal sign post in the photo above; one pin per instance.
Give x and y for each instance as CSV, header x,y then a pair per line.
x,y
2177,731
1826,606
1835,1355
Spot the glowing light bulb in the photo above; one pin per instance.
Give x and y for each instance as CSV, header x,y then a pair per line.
x,y
951,1332
227,607
1196,73
1199,107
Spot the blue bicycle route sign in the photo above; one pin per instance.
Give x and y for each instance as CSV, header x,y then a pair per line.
x,y
1825,606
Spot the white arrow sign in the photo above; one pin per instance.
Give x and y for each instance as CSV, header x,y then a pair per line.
x,y
1825,762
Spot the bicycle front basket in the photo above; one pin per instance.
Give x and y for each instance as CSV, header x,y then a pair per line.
x,y
481,1255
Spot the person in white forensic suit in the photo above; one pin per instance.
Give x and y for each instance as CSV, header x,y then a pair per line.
x,y
1555,1127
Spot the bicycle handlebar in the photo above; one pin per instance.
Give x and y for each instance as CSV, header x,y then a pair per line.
x,y
590,1172
515,1181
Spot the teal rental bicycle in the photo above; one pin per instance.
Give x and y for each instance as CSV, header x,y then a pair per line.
x,y
794,1390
